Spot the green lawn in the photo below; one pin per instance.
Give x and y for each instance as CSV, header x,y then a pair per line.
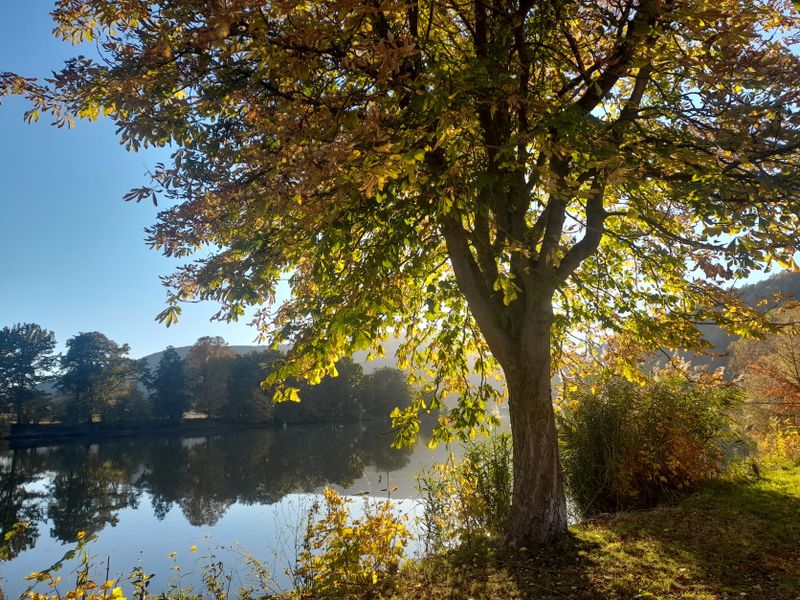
x,y
731,541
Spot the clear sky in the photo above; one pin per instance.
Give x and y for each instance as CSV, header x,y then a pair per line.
x,y
72,253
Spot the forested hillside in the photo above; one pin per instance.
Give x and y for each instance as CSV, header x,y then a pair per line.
x,y
772,292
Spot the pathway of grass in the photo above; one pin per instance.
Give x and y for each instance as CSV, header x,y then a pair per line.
x,y
732,541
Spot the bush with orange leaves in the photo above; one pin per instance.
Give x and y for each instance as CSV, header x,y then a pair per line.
x,y
769,371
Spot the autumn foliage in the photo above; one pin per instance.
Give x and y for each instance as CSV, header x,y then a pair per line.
x,y
474,178
342,553
769,366
633,444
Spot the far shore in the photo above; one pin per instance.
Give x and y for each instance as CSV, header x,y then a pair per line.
x,y
32,435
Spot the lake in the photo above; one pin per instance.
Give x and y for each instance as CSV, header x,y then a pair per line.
x,y
146,497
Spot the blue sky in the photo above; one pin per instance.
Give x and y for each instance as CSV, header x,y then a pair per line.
x,y
72,253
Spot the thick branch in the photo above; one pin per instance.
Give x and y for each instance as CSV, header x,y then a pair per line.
x,y
639,32
595,227
481,241
553,217
631,109
473,284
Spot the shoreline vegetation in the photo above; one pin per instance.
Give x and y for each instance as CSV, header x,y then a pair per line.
x,y
687,481
731,539
95,390
28,435
689,520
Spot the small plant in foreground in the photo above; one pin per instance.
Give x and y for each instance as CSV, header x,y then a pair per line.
x,y
340,555
468,499
93,581
86,585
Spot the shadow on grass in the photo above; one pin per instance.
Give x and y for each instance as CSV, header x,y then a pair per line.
x,y
739,540
732,540
484,571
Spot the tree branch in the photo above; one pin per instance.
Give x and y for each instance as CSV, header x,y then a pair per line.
x,y
595,227
472,283
639,30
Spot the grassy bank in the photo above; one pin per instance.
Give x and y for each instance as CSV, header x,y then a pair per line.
x,y
731,541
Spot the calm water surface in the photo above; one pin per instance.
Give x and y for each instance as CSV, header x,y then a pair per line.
x,y
149,496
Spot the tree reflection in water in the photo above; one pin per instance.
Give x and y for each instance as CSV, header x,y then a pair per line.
x,y
83,488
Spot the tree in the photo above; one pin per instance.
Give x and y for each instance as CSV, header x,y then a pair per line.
x,y
208,366
333,399
770,366
169,395
27,358
116,390
479,178
384,390
247,400
96,373
126,405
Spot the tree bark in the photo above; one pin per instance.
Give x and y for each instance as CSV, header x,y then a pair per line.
x,y
538,511
522,347
20,414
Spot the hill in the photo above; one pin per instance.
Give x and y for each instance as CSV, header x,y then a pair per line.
x,y
785,284
360,357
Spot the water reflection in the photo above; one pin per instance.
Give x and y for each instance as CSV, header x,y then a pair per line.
x,y
18,502
80,487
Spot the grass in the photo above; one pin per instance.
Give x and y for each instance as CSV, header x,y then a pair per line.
x,y
731,541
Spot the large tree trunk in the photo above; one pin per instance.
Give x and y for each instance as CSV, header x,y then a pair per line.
x,y
520,341
538,511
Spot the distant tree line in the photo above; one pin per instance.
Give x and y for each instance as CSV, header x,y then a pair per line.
x,y
84,491
96,381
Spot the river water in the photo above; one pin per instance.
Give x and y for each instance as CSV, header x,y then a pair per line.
x,y
147,497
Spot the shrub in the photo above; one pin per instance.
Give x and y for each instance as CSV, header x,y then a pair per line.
x,y
341,555
490,463
451,505
779,443
631,445
466,499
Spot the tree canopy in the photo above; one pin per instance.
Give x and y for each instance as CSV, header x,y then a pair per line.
x,y
208,368
168,390
97,373
27,358
476,178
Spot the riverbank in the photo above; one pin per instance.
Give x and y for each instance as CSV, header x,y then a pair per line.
x,y
31,436
730,541
26,436
733,540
